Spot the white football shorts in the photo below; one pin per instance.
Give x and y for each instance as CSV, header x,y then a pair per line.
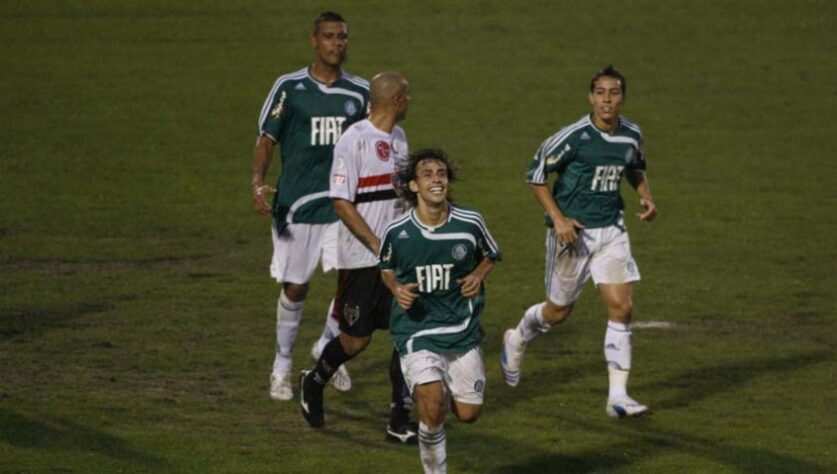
x,y
603,254
463,375
298,250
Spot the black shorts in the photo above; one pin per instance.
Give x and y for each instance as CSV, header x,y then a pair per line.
x,y
363,303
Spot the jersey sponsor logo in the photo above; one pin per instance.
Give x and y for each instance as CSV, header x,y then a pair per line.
x,y
350,107
383,150
403,235
387,257
585,136
341,163
326,130
338,178
433,277
553,159
459,251
606,178
277,111
351,313
300,87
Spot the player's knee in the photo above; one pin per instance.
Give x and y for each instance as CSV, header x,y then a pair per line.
x,y
554,314
295,292
621,312
468,414
352,345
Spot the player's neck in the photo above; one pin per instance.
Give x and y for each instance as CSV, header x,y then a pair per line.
x,y
325,73
607,126
432,215
383,121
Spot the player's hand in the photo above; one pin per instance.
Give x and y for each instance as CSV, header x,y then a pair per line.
x,y
260,194
405,295
650,211
567,231
469,285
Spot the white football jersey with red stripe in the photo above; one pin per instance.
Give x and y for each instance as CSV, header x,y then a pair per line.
x,y
365,161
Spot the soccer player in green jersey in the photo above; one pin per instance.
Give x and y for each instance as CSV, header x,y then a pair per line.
x,y
586,234
434,259
306,112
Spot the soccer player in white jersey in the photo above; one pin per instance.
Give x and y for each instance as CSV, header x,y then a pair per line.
x,y
306,112
586,234
435,259
365,161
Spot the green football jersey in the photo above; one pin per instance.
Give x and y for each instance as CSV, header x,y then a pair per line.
x,y
590,164
441,319
307,118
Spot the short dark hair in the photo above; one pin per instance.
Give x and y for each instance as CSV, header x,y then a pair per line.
x,y
608,71
326,17
407,172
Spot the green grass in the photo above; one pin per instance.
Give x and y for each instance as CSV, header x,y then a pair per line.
x,y
136,313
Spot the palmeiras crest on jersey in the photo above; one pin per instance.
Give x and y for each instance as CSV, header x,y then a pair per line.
x,y
383,150
459,251
350,107
351,313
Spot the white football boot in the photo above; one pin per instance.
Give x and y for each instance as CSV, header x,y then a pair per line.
x,y
280,386
340,380
512,356
625,406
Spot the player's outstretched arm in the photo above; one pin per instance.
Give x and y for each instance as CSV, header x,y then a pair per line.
x,y
403,294
639,181
470,284
261,161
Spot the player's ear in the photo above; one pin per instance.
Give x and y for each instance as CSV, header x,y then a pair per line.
x,y
413,186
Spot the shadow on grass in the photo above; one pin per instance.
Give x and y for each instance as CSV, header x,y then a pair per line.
x,y
35,323
59,434
646,440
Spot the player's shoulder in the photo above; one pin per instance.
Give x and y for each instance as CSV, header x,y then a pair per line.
x,y
630,128
399,132
566,133
290,80
354,133
466,214
356,82
398,224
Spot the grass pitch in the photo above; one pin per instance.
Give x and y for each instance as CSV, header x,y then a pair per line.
x,y
136,314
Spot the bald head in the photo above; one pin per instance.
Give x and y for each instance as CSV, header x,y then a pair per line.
x,y
385,87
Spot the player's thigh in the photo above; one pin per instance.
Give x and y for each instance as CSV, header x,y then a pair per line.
x,y
613,262
296,252
465,377
363,302
423,367
567,270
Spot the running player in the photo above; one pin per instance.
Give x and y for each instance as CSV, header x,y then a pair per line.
x,y
434,260
306,111
586,234
365,160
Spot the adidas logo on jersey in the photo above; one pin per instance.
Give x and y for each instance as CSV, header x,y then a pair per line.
x,y
585,136
403,235
300,87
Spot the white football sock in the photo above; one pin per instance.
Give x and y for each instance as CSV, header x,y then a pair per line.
x,y
432,449
288,314
617,350
532,324
331,329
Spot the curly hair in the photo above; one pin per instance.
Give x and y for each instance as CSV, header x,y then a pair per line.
x,y
407,172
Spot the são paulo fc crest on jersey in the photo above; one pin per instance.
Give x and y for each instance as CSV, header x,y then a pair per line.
x,y
459,252
383,150
351,313
350,107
